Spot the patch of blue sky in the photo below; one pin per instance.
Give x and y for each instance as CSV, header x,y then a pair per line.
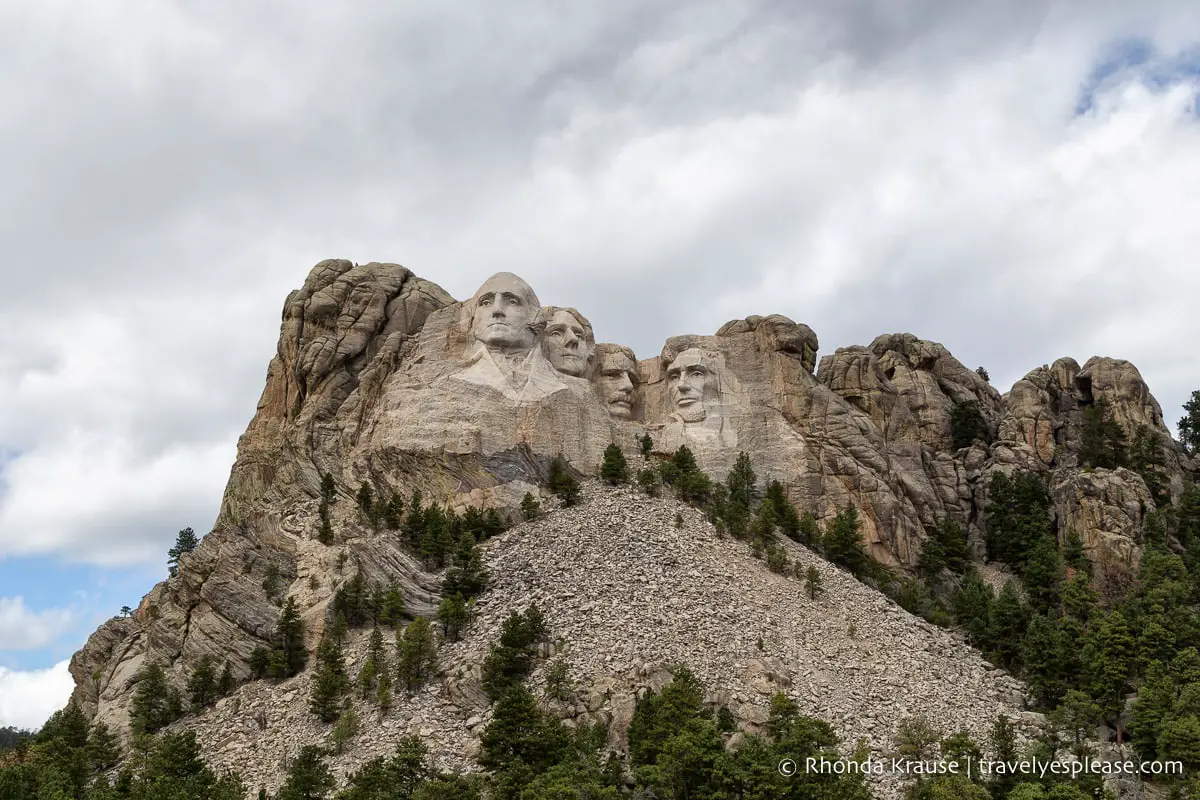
x,y
92,595
1139,60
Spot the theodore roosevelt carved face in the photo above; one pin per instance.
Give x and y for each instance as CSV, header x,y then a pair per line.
x,y
506,314
568,342
692,385
615,372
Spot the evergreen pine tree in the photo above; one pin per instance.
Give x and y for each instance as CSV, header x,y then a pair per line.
x,y
562,483
520,732
103,748
971,606
1109,656
1101,437
453,616
1007,623
330,682
289,642
843,542
391,607
530,507
416,654
647,445
1043,574
966,425
614,470
155,702
366,499
1146,458
741,481
185,542
202,685
812,582
1189,424
308,776
226,683
1043,655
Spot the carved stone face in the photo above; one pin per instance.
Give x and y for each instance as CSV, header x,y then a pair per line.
x,y
692,385
505,310
566,342
615,381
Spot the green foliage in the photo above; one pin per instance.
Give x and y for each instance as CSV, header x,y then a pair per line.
x,y
967,425
156,703
1008,619
1101,437
467,576
399,776
741,480
1018,516
453,615
530,507
416,654
558,681
345,729
646,445
328,491
813,583
1189,424
355,602
971,606
185,542
392,609
287,655
202,685
365,498
511,658
1147,458
330,682
843,541
614,469
562,482
916,739
944,548
1043,574
308,777
1109,654
373,668
521,732
649,482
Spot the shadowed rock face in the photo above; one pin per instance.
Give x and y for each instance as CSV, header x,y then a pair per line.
x,y
382,377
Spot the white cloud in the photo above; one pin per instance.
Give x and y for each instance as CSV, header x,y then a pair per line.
x,y
864,167
28,698
24,629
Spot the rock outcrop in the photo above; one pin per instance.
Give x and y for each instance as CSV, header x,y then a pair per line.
x,y
382,378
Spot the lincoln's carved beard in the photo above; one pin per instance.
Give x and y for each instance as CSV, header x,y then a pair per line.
x,y
691,386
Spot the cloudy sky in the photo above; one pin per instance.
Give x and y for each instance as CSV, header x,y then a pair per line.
x,y
1015,180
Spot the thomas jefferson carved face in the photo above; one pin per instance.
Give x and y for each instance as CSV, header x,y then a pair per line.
x,y
615,382
506,314
692,385
567,344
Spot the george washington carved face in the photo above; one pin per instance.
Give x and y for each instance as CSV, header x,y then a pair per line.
x,y
568,343
506,314
692,385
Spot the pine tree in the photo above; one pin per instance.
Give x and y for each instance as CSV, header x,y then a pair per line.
x,y
393,516
1043,655
416,654
1146,458
1018,516
330,682
520,732
614,470
1007,623
202,686
741,481
1101,437
1043,574
1109,657
366,499
971,606
649,483
155,702
308,777
185,542
289,642
391,607
562,483
383,693
103,748
843,541
1189,424
467,576
374,665
966,425
226,683
647,445
530,507
345,729
812,582
453,615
